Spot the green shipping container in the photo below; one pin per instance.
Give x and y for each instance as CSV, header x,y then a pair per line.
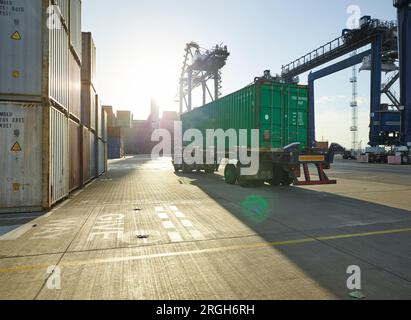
x,y
279,111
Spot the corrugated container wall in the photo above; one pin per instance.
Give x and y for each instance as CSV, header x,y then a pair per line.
x,y
104,125
86,154
21,158
75,27
75,155
88,71
59,66
280,112
99,118
59,157
93,155
75,88
102,161
88,106
64,8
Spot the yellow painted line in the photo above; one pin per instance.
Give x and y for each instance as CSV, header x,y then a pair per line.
x,y
202,251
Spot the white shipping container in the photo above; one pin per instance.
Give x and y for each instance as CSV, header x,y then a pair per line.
x,y
75,27
64,8
34,55
21,156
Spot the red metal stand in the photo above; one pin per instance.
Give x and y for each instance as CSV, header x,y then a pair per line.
x,y
321,174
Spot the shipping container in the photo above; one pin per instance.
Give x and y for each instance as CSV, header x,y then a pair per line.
x,y
279,111
93,155
99,118
102,160
34,57
35,168
75,88
85,154
104,125
111,117
114,132
75,28
75,155
88,70
115,147
124,119
64,8
21,133
88,106
59,155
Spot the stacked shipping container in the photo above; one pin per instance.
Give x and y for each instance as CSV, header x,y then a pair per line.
x,y
40,103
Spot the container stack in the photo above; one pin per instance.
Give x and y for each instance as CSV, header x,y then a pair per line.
x,y
92,120
115,131
41,135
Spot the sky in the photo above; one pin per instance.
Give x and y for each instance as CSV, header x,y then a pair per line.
x,y
140,47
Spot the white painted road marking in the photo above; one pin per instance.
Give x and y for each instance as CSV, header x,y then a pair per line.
x,y
175,237
187,223
159,209
197,235
163,216
168,225
173,208
179,214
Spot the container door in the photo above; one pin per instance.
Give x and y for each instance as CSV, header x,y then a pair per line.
x,y
20,157
296,115
271,129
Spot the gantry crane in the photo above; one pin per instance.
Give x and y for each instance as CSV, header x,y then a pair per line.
x,y
199,67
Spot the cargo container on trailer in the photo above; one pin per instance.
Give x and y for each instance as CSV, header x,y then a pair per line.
x,y
280,114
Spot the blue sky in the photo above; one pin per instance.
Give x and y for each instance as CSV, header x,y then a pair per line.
x,y
140,46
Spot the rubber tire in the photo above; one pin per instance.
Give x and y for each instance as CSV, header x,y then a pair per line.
x,y
230,174
405,159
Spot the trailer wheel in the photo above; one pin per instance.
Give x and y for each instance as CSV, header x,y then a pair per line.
x,y
405,159
258,183
230,174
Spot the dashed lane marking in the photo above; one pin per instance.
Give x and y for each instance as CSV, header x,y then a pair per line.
x,y
168,225
175,237
173,208
197,235
179,214
187,223
163,216
159,209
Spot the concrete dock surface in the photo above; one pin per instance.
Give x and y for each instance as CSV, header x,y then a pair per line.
x,y
141,231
